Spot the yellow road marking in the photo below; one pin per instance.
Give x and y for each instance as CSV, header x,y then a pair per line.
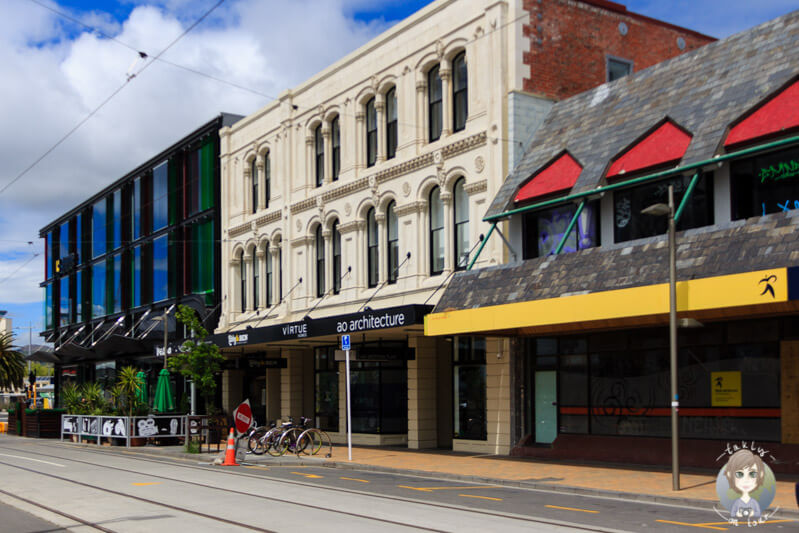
x,y
705,526
145,484
431,489
257,466
481,497
571,509
353,479
309,476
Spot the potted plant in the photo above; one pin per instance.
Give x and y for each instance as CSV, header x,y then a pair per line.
x,y
128,391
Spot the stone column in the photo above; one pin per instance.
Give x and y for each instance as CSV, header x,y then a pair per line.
x,y
449,261
421,114
310,168
245,204
232,389
235,283
360,144
422,394
328,147
327,235
262,258
446,98
259,167
380,109
382,251
250,281
294,383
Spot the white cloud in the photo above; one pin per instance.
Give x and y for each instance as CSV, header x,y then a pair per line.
x,y
56,72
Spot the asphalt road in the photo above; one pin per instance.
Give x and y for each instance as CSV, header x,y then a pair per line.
x,y
13,519
120,491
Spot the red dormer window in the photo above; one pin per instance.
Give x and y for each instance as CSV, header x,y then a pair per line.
x,y
778,114
557,176
665,144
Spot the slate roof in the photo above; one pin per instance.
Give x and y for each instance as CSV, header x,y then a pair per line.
x,y
758,243
703,91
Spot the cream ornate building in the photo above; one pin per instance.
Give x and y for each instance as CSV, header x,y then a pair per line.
x,y
346,205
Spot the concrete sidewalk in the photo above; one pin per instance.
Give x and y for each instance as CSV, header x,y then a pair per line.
x,y
698,488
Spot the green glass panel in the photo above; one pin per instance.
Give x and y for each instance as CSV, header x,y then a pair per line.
x,y
173,196
207,168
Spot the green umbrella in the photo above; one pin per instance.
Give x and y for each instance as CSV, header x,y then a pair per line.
x,y
163,401
141,395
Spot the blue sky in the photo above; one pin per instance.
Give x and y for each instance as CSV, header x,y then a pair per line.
x,y
54,73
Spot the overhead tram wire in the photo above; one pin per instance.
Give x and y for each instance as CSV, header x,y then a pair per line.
x,y
20,267
113,94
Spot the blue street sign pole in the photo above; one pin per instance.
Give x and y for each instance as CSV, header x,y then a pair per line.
x,y
345,345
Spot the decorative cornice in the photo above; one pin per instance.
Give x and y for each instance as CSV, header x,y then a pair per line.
x,y
409,208
463,145
348,227
475,188
305,240
239,230
268,218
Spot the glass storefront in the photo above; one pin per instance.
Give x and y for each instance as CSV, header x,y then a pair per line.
x,y
469,386
617,383
326,389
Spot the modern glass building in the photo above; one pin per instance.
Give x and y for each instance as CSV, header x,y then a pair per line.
x,y
119,261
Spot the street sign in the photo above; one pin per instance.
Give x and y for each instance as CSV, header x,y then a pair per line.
x,y
242,416
345,342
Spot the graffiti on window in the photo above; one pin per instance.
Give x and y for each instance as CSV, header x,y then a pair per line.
x,y
779,171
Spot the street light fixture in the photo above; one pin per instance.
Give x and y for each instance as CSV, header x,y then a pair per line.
x,y
661,209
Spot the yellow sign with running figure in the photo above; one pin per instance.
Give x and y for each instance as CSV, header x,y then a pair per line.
x,y
725,389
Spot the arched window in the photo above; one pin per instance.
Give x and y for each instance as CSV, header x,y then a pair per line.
x,y
461,219
255,278
371,249
335,132
460,92
320,262
243,288
336,258
392,242
434,110
267,177
268,259
436,232
391,123
319,150
254,176
371,133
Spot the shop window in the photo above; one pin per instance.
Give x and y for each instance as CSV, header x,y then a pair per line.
x,y
372,257
434,104
392,242
765,184
618,68
319,155
379,397
336,258
243,281
371,133
543,230
326,390
256,279
461,224
335,147
436,232
460,92
320,262
391,123
160,196
254,182
629,223
469,388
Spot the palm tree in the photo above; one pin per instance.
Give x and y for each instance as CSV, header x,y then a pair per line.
x,y
12,364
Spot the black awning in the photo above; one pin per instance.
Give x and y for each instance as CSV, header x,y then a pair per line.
x,y
371,320
118,345
70,352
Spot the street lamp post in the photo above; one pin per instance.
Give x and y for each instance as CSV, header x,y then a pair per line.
x,y
668,210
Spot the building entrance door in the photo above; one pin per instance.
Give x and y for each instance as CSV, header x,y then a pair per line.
x,y
546,409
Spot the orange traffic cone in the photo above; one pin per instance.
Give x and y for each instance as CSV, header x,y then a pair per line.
x,y
230,453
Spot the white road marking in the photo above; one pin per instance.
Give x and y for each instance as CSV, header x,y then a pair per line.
x,y
29,459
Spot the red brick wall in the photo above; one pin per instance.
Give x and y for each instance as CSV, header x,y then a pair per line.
x,y
571,39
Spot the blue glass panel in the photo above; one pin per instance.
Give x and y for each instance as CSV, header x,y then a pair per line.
x,y
98,289
116,221
136,275
160,268
135,208
48,255
79,239
160,196
63,240
64,312
99,228
78,302
115,264
48,306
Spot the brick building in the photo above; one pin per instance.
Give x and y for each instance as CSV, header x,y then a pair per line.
x,y
349,202
579,318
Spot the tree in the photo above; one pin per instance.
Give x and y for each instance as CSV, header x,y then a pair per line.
x,y
198,360
12,364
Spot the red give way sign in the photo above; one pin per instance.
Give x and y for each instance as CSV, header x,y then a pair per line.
x,y
242,416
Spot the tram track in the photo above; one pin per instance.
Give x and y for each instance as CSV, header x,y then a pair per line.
x,y
443,506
